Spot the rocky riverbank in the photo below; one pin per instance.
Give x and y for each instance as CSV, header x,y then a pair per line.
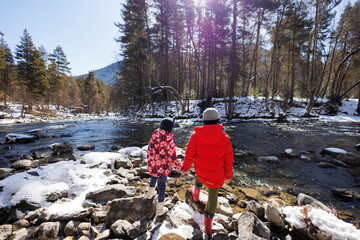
x,y
54,194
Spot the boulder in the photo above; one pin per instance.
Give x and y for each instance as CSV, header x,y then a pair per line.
x,y
348,194
99,216
130,209
19,234
121,228
86,147
138,228
103,235
5,172
5,231
111,192
27,205
71,228
251,227
256,208
326,165
42,152
48,231
273,212
23,164
22,223
304,199
268,159
123,161
83,229
332,151
13,138
62,149
351,159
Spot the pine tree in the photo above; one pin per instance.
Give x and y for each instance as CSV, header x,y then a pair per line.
x,y
59,58
31,70
133,75
7,69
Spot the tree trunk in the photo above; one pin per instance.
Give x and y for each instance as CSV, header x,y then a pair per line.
x,y
233,61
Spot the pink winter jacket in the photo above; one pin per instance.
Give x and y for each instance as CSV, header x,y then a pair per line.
x,y
161,154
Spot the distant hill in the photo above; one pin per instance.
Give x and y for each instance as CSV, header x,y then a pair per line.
x,y
106,74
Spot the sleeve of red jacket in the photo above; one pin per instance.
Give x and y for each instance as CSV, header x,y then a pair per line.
x,y
190,153
229,159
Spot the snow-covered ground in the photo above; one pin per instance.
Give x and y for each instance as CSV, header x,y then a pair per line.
x,y
244,108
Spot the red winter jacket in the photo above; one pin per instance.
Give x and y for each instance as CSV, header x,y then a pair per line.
x,y
211,149
161,154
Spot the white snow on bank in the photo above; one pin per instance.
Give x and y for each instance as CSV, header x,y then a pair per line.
x,y
75,178
327,223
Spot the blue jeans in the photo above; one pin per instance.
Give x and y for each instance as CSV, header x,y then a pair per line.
x,y
161,182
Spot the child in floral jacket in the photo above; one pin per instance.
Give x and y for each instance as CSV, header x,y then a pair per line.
x,y
161,156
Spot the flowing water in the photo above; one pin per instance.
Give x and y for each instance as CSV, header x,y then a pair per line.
x,y
254,137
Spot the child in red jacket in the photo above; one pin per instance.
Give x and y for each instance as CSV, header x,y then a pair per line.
x,y
161,155
210,149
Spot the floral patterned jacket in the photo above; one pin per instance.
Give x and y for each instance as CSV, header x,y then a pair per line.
x,y
161,154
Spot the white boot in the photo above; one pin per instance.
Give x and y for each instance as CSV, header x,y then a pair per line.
x,y
160,209
151,193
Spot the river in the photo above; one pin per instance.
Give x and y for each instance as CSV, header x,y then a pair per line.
x,y
255,137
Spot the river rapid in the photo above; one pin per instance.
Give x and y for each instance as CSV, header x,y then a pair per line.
x,y
250,139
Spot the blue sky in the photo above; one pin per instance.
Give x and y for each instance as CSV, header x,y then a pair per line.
x,y
83,28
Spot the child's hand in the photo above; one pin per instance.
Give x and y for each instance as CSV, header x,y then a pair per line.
x,y
227,180
183,171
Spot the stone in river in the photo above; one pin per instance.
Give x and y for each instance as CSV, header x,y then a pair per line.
x,y
19,138
86,147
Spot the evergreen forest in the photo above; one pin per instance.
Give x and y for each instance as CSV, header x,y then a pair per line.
x,y
200,49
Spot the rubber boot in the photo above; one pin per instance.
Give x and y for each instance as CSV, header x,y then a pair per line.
x,y
160,209
151,193
195,192
208,218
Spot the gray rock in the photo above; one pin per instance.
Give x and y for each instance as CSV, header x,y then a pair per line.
x,y
83,229
13,138
27,205
62,149
111,192
74,157
143,172
86,147
33,214
130,209
103,235
42,152
5,172
224,207
137,162
357,147
252,228
304,199
256,208
351,159
99,216
22,223
78,216
122,172
5,231
57,195
333,152
273,213
121,228
346,193
268,159
48,231
55,160
123,161
326,165
71,228
23,164
138,228
19,234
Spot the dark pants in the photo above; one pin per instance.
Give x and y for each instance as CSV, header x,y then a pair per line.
x,y
161,183
211,204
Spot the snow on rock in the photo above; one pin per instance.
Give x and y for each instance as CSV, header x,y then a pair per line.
x,y
132,151
19,138
333,151
327,223
75,178
100,157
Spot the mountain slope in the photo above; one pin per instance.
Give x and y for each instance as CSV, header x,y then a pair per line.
x,y
107,74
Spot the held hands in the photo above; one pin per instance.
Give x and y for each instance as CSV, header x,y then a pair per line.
x,y
227,180
183,171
